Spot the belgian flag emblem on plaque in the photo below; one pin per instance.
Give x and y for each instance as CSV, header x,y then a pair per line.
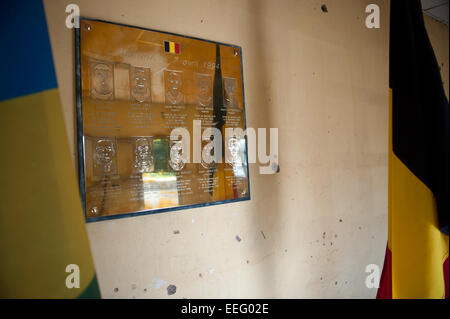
x,y
171,47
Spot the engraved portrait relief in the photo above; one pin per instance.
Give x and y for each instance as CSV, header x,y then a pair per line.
x,y
176,161
234,145
105,150
140,84
208,159
101,80
229,88
204,89
143,155
174,87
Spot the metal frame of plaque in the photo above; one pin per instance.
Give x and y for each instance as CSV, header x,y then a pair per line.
x,y
133,86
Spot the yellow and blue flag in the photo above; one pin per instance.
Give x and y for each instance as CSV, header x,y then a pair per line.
x,y
44,248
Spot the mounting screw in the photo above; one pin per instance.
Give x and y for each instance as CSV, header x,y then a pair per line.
x,y
93,210
88,27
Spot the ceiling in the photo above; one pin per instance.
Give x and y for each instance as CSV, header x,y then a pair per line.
x,y
437,9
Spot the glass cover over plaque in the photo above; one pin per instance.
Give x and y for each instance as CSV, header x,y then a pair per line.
x,y
153,109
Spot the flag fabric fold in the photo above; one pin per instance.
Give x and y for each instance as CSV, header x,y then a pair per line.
x,y
44,248
418,154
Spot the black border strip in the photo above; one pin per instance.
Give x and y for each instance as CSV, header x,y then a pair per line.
x,y
80,140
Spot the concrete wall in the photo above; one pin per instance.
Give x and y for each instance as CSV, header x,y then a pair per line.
x,y
308,231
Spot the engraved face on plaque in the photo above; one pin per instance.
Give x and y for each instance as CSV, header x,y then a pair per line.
x,y
105,149
176,161
229,88
102,81
204,89
174,87
208,159
150,115
140,84
143,155
234,147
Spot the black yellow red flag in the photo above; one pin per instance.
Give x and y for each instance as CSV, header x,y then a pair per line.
x,y
416,262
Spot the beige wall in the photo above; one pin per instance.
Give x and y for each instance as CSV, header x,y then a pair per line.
x,y
322,79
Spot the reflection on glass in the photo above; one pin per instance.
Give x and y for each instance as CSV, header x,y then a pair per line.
x,y
160,190
161,154
160,186
239,169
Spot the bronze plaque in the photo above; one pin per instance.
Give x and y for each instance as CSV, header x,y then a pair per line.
x,y
153,111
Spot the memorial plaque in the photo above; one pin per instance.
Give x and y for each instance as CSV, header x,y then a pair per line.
x,y
153,109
